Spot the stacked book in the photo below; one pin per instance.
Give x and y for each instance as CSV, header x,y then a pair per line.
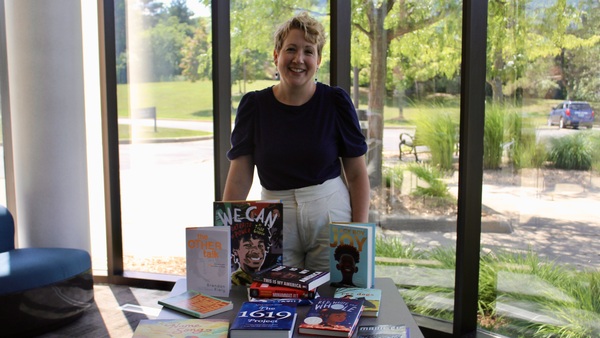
x,y
287,282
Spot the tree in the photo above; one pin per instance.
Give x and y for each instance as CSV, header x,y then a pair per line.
x,y
579,36
196,60
522,38
382,22
167,40
180,10
253,23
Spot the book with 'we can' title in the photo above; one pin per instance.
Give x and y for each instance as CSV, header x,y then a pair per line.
x,y
256,236
208,257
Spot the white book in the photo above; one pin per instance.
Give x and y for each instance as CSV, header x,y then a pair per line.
x,y
208,260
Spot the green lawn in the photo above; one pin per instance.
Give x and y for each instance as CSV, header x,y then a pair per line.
x,y
193,101
144,132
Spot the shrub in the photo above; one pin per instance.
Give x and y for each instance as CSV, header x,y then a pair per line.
x,y
572,152
439,133
493,137
393,176
578,313
525,151
433,177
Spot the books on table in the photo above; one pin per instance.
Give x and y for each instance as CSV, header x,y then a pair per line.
x,y
208,260
352,254
196,304
266,290
264,320
293,277
256,236
383,331
372,298
336,317
182,328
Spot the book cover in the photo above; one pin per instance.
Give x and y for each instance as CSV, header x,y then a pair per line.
x,y
336,317
298,301
382,331
196,304
182,328
294,277
208,257
264,319
372,298
352,254
256,236
266,290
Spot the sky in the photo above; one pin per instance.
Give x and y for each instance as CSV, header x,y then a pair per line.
x,y
194,6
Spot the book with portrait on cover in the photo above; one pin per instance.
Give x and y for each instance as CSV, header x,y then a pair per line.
x,y
271,319
182,328
293,277
335,317
352,254
196,304
208,257
256,236
383,331
372,298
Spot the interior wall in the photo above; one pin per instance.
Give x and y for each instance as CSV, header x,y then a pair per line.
x,y
45,59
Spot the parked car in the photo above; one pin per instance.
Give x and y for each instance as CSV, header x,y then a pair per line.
x,y
572,113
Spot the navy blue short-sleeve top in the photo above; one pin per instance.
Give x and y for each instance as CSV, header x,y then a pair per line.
x,y
297,146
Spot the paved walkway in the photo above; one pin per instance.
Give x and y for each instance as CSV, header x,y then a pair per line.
x,y
558,221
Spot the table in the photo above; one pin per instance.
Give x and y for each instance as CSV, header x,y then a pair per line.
x,y
392,310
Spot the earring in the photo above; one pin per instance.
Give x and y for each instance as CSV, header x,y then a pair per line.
x,y
276,75
316,75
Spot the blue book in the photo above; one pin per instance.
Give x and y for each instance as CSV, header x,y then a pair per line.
x,y
332,317
352,254
264,320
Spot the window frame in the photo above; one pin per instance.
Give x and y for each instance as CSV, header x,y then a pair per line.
x,y
471,140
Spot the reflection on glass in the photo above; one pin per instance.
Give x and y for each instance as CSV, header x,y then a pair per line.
x,y
165,129
539,268
406,71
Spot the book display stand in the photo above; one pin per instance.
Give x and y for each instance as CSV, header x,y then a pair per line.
x,y
393,309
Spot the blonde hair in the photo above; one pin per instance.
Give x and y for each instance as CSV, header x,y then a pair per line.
x,y
313,31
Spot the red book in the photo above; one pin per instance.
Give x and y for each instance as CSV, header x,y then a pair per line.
x,y
293,277
265,290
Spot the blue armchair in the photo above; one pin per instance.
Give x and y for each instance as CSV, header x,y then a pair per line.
x,y
40,288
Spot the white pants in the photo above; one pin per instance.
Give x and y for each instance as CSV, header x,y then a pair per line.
x,y
307,213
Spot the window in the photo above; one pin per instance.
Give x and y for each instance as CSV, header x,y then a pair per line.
x,y
539,267
164,97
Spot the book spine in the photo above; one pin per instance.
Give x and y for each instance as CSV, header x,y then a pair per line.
x,y
182,310
280,282
264,293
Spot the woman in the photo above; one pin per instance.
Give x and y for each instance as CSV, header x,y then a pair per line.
x,y
305,141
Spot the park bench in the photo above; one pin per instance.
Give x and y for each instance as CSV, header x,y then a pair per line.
x,y
407,146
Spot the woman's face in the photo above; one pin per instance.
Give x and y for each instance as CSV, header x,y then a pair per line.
x,y
298,60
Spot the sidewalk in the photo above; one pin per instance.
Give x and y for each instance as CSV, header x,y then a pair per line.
x,y
558,221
